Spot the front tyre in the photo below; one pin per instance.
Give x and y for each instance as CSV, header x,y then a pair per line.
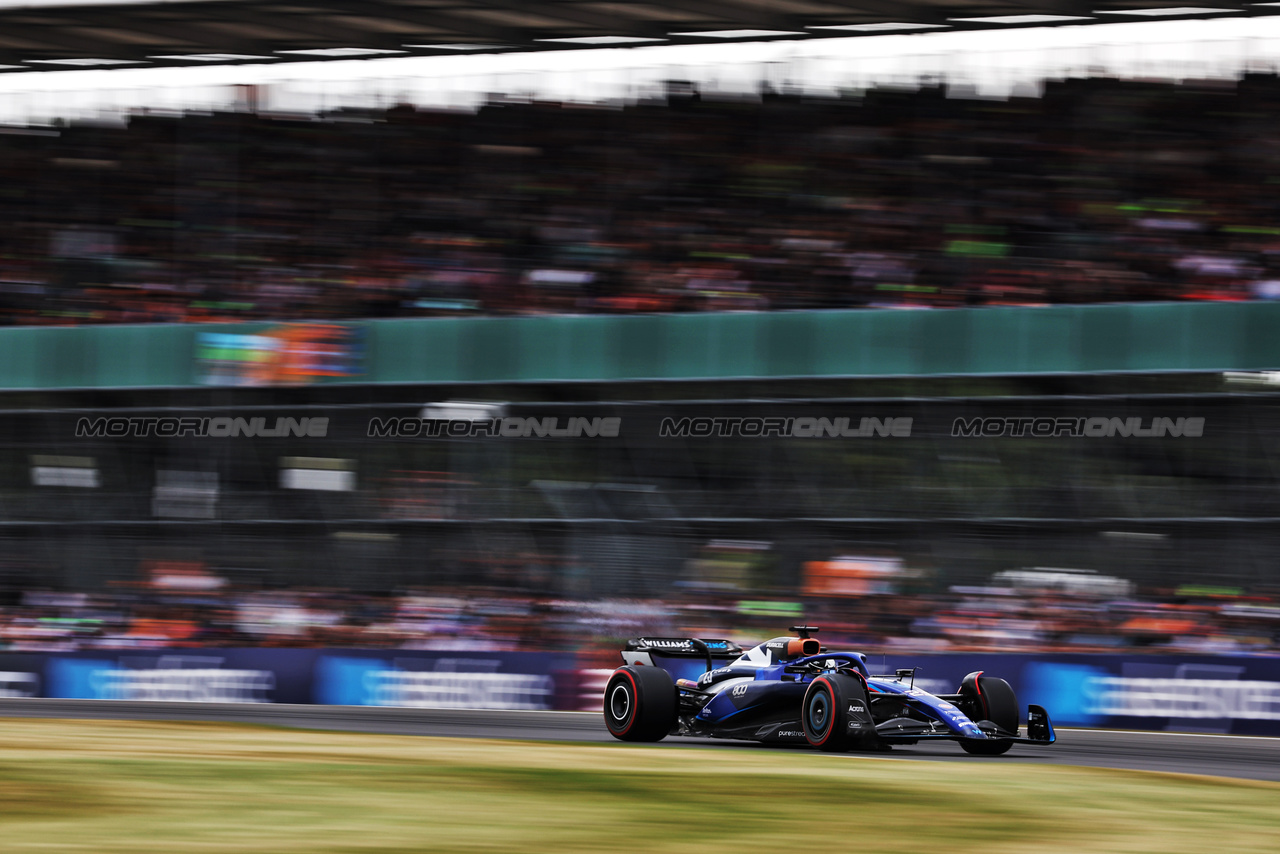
x,y
640,704
990,700
836,713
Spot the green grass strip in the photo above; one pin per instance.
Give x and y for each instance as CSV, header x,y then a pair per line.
x,y
105,787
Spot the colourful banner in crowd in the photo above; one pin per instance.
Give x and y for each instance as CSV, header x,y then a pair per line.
x,y
285,354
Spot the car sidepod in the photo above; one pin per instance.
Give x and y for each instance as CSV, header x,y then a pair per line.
x,y
759,709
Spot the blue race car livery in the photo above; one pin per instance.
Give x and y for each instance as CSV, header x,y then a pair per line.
x,y
792,690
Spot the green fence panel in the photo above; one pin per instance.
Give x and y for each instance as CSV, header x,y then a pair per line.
x,y
97,357
1259,333
599,348
1058,339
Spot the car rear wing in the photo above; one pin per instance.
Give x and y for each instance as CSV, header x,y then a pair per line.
x,y
685,646
683,658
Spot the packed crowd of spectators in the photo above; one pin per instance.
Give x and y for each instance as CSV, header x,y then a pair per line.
x,y
1099,191
988,619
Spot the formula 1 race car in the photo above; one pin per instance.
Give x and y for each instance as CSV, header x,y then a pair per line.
x,y
792,690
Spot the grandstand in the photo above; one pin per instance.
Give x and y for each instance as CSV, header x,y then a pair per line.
x,y
1144,192
1103,257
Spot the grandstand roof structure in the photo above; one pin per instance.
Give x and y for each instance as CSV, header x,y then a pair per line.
x,y
63,34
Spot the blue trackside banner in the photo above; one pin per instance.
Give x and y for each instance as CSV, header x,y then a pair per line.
x,y
1229,694
484,680
439,680
182,675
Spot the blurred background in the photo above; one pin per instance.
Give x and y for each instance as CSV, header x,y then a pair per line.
x,y
932,247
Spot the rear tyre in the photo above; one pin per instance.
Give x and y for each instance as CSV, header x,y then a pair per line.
x,y
990,700
836,713
640,704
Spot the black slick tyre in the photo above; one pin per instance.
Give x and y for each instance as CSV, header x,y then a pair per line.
x,y
836,714
990,700
640,704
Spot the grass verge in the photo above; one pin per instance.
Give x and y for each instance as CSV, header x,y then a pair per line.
x,y
107,787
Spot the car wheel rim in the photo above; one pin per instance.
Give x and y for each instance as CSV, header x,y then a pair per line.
x,y
620,703
818,712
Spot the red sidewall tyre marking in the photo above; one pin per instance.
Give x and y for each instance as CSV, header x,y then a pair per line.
x,y
635,702
831,712
982,698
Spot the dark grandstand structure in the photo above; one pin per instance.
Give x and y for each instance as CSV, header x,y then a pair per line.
x,y
84,508
59,36
1101,192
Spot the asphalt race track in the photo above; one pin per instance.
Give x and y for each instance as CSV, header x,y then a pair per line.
x,y
1255,758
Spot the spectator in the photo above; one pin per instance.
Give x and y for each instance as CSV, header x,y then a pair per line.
x,y
1100,191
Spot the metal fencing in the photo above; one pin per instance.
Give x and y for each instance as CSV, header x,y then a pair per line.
x,y
626,497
